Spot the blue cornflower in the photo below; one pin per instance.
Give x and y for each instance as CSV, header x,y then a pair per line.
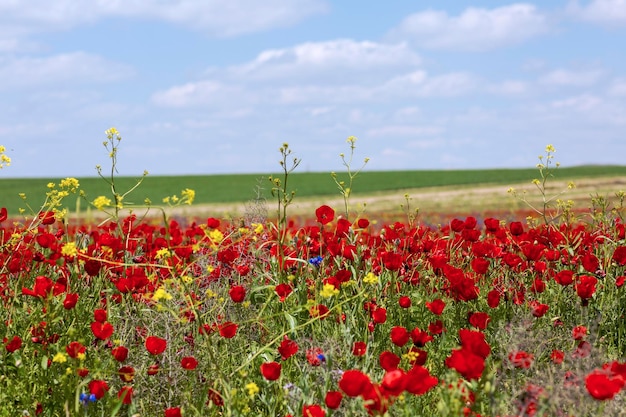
x,y
316,261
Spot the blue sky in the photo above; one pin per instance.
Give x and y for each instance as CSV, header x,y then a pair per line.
x,y
206,86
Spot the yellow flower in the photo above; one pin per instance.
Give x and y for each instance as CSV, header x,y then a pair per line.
x,y
258,228
101,201
328,291
69,249
216,236
161,294
70,183
252,388
370,278
162,253
188,195
59,358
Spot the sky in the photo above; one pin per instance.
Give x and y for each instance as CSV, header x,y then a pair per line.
x,y
214,86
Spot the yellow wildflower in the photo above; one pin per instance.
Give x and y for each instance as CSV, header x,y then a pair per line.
x,y
188,195
69,249
370,278
252,389
216,236
101,201
161,294
328,291
59,358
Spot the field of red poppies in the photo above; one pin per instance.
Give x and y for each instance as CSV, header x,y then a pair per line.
x,y
338,315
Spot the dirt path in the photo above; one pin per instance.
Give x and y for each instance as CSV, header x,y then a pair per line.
x,y
436,200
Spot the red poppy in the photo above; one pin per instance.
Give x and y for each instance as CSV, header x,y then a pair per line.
x,y
120,353
315,356
602,385
436,306
70,301
538,309
359,348
3,214
189,363
319,310
619,255
521,359
557,356
287,348
102,330
565,277
354,382
46,217
586,286
215,397
467,363
379,315
283,291
404,301
100,315
419,380
237,293
579,332
271,370
125,394
155,345
388,360
493,298
399,335
126,373
313,411
333,399
98,388
479,320
474,341
173,412
228,329
324,214
394,382
14,344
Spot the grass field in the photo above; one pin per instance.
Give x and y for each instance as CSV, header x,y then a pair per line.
x,y
215,189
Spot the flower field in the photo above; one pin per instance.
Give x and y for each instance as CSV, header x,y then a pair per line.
x,y
335,315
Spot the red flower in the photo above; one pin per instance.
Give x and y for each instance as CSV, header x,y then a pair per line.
x,y
125,394
399,335
333,399
271,370
14,344
237,293
479,320
126,373
388,360
313,411
586,286
287,348
120,353
474,341
419,380
493,298
315,356
70,301
394,382
98,388
436,306
173,412
155,345
359,348
619,255
557,356
521,359
538,309
100,315
354,382
324,214
102,330
319,310
46,217
3,214
564,277
228,329
189,363
467,363
379,315
602,385
283,291
404,301
579,332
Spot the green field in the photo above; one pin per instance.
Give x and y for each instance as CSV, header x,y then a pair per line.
x,y
243,187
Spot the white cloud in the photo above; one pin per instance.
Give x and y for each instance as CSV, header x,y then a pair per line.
x,y
563,77
618,87
509,88
475,29
215,17
608,12
327,57
74,68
